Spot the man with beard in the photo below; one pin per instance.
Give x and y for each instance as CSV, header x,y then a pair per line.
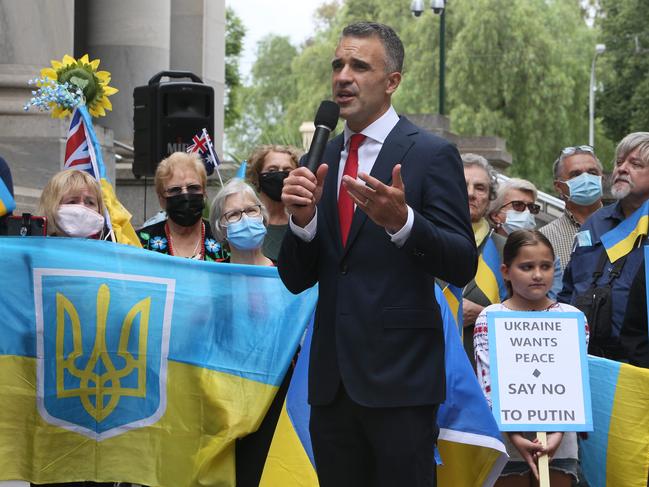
x,y
590,268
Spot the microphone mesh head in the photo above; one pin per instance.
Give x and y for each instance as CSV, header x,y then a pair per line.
x,y
327,114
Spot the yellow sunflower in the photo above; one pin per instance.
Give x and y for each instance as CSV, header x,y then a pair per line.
x,y
83,74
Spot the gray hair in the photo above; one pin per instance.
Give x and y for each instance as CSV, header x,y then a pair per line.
x,y
557,167
394,52
470,160
633,141
513,183
234,186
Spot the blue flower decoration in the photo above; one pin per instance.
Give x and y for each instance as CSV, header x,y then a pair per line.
x,y
212,245
159,243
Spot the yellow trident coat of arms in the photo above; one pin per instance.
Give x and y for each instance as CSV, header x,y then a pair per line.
x,y
106,354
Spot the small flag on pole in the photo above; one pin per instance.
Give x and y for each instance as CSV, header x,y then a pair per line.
x,y
202,144
78,147
83,152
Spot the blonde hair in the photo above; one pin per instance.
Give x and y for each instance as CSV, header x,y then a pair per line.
x,y
62,183
178,160
258,156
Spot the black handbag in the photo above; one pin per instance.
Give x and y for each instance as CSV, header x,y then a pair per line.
x,y
597,304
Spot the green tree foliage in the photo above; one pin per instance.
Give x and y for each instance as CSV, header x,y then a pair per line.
x,y
234,34
518,69
264,103
625,67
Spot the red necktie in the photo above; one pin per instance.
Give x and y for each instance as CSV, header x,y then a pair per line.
x,y
345,202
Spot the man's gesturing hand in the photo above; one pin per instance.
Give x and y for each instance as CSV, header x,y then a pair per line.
x,y
385,205
302,191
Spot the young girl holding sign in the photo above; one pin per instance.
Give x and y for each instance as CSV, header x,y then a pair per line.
x,y
528,270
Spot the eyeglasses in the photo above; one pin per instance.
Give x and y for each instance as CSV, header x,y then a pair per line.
x,y
235,215
567,151
190,188
521,205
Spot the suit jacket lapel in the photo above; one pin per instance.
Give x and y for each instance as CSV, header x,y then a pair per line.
x,y
330,191
394,148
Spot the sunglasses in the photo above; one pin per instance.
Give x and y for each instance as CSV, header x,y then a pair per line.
x,y
521,205
566,151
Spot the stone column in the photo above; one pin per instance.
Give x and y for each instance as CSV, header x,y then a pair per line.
x,y
197,44
32,33
132,41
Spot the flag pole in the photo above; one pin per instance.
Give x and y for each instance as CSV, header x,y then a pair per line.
x,y
210,147
544,468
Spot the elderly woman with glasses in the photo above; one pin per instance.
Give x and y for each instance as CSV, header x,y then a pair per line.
x,y
514,209
180,183
239,219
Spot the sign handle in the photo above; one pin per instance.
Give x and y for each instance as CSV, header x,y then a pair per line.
x,y
544,469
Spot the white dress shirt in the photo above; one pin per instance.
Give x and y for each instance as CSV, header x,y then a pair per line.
x,y
375,134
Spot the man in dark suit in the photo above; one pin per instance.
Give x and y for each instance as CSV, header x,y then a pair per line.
x,y
374,245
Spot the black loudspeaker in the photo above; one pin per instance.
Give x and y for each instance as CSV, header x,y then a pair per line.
x,y
166,116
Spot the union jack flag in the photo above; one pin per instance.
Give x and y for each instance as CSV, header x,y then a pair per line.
x,y
79,151
83,152
202,144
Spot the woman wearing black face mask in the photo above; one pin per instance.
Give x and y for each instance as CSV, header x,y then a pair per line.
x,y
180,182
268,166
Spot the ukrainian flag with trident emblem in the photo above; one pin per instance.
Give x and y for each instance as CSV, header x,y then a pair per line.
x,y
119,364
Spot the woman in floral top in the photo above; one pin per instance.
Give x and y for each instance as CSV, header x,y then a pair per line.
x,y
180,182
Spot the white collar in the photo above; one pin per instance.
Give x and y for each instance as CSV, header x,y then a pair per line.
x,y
379,129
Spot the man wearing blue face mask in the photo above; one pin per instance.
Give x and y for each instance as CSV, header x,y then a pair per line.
x,y
578,180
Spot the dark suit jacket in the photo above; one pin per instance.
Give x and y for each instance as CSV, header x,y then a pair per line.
x,y
377,325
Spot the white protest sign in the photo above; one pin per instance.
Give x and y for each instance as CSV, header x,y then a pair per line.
x,y
539,371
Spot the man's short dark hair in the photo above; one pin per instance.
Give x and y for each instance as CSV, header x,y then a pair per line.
x,y
389,38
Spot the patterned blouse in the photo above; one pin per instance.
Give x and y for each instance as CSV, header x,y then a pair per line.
x,y
481,341
156,237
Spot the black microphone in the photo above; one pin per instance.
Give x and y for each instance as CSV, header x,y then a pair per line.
x,y
325,121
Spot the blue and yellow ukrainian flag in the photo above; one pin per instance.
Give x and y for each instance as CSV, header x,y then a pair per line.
x,y
470,445
488,277
119,364
453,296
617,451
7,203
621,240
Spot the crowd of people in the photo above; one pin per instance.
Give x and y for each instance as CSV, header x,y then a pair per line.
x,y
375,237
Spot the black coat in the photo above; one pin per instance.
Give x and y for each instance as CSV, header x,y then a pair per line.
x,y
634,333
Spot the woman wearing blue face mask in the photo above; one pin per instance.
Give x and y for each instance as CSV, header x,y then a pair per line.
x,y
239,220
514,207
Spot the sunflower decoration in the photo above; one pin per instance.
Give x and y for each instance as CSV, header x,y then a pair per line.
x,y
70,82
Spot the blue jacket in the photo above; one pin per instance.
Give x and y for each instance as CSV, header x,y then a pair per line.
x,y
378,327
584,260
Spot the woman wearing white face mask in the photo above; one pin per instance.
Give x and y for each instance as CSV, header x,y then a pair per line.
x,y
72,203
239,220
514,207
